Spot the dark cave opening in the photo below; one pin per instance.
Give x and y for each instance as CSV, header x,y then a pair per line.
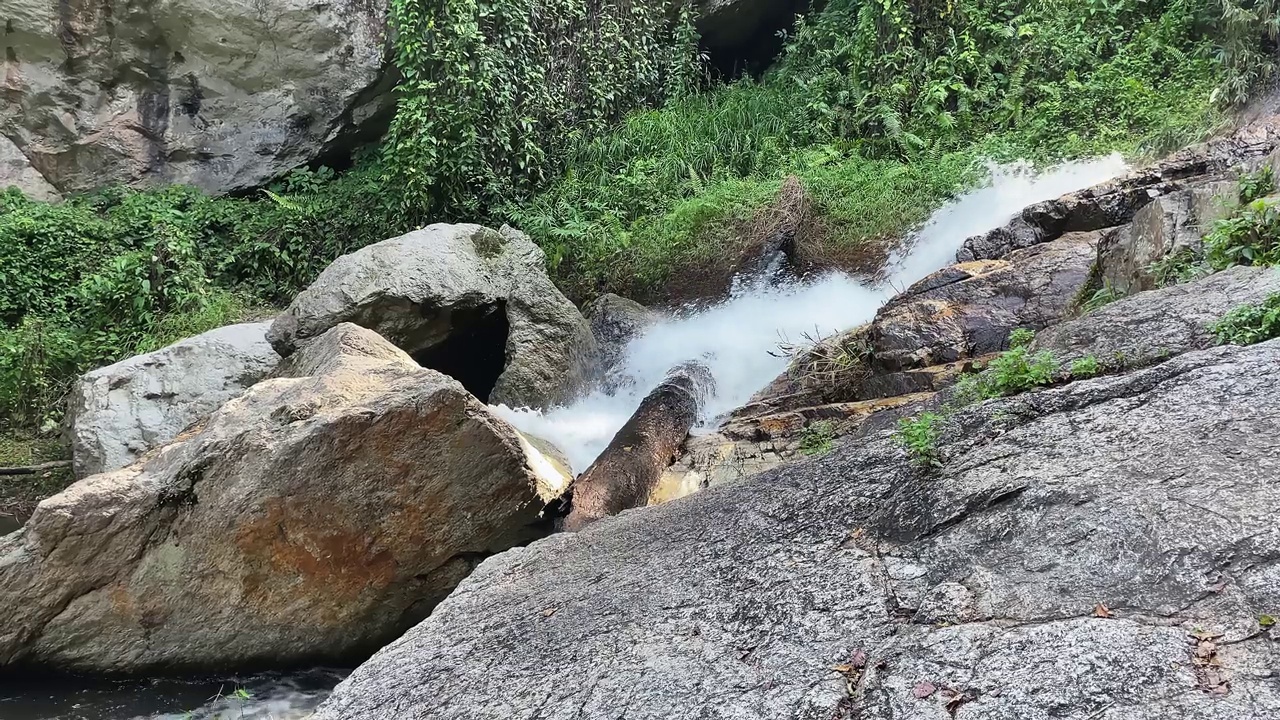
x,y
475,351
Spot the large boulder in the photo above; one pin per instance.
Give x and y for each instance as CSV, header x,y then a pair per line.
x,y
313,518
469,301
117,413
220,95
1101,551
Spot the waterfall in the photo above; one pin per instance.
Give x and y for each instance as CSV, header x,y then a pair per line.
x,y
738,338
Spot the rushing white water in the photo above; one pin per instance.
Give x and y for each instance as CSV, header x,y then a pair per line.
x,y
735,338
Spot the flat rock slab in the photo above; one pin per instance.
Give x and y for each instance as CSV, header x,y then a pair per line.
x,y
1099,551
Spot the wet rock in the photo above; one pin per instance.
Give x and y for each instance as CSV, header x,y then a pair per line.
x,y
792,594
616,321
313,518
118,413
971,309
469,301
222,96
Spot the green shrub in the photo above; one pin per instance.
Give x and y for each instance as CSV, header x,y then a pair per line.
x,y
817,438
919,435
1009,373
1249,324
1250,237
1085,367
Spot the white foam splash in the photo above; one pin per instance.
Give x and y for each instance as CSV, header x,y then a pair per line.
x,y
734,338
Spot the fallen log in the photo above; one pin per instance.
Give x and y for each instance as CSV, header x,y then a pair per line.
x,y
35,469
630,467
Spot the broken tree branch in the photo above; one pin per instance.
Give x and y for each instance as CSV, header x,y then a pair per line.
x,y
35,469
627,471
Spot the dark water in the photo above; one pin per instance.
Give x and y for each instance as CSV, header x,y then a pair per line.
x,y
269,696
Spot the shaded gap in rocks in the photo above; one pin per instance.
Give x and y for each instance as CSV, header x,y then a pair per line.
x,y
475,351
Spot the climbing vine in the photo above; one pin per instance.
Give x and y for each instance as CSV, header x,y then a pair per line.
x,y
494,92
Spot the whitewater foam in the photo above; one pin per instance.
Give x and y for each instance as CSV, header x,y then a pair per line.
x,y
738,338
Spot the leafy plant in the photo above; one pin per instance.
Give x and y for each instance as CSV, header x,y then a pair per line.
x,y
1249,324
1250,237
1009,373
1085,367
1180,266
919,435
817,438
1104,295
1257,184
1021,337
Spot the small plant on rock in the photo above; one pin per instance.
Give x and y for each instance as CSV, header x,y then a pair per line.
x,y
817,438
1257,184
1085,367
919,435
1250,237
1013,371
1104,295
1249,324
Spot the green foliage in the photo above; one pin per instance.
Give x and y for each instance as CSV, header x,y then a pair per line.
x,y
1250,237
96,278
919,435
1183,265
1245,33
1021,337
1104,295
1249,324
1009,373
817,438
494,94
881,110
1085,367
1257,184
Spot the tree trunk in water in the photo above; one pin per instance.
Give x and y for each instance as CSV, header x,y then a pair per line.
x,y
628,470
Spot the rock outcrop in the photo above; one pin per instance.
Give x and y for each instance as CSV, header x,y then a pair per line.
x,y
313,518
117,413
1101,550
616,321
222,96
469,301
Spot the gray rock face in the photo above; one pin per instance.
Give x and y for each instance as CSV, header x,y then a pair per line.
x,y
469,301
1169,225
16,171
819,590
1150,327
312,518
117,413
616,321
217,95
